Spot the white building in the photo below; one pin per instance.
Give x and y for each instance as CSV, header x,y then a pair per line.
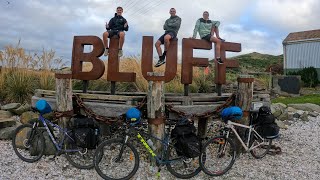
x,y
302,49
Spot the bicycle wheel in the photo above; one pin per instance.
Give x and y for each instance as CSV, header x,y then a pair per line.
x,y
263,145
28,143
81,158
115,160
180,166
217,156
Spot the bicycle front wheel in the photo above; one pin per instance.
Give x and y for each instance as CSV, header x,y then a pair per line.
x,y
262,145
116,160
28,143
217,156
180,166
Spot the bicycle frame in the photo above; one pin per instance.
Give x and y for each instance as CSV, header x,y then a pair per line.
x,y
164,142
57,145
231,125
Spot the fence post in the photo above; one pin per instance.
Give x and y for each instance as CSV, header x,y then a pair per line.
x,y
244,100
156,109
64,94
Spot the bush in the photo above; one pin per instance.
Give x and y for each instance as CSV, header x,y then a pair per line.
x,y
309,76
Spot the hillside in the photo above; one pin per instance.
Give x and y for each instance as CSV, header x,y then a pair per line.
x,y
257,62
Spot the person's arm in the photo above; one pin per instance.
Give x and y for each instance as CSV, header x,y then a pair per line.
x,y
110,24
176,24
215,28
165,26
196,29
126,26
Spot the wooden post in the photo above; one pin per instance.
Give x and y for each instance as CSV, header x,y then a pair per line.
x,y
64,94
85,84
244,100
156,108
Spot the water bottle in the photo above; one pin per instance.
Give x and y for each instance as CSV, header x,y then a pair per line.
x,y
150,143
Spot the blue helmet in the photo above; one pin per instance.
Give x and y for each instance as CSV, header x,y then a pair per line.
x,y
133,116
231,113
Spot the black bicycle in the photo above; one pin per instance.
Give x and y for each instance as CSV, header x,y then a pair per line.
x,y
120,155
29,143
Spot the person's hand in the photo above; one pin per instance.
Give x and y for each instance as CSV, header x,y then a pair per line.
x,y
126,24
107,25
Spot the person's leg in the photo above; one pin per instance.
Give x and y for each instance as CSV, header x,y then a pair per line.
x,y
121,39
105,37
216,30
167,39
121,35
217,48
159,51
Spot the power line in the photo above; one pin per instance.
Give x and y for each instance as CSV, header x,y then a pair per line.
x,y
158,3
141,8
133,3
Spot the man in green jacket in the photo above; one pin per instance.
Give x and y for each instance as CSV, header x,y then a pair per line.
x,y
171,27
206,29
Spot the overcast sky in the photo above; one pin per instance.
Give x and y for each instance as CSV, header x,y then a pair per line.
x,y
259,25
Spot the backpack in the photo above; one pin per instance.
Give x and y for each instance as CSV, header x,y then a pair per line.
x,y
85,132
187,142
266,120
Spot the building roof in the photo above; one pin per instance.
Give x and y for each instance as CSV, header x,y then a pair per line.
x,y
303,35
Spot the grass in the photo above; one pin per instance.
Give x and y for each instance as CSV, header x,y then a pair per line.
x,y
312,98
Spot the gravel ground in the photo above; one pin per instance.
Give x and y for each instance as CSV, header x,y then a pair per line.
x,y
300,160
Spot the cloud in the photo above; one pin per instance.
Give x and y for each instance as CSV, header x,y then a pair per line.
x,y
258,25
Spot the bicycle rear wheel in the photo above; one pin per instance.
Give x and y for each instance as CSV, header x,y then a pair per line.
x,y
116,160
81,158
263,145
28,143
217,156
180,166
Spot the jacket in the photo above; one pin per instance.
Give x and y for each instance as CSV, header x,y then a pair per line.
x,y
204,27
172,25
117,24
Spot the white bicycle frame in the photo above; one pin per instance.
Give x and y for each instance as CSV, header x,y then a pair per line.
x,y
231,125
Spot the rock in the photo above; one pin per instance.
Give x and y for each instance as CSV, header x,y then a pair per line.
x,y
281,124
26,117
296,115
291,109
7,122
11,106
313,114
277,109
306,107
49,148
25,107
304,117
6,133
5,114
283,116
49,116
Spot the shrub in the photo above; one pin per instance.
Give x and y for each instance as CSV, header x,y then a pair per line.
x,y
309,76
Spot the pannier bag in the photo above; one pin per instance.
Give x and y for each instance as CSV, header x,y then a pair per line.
x,y
231,113
187,142
86,132
266,121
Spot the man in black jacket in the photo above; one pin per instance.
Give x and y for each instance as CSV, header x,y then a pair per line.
x,y
116,26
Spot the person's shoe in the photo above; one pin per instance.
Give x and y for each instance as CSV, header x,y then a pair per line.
x,y
120,53
222,40
219,61
160,62
106,52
